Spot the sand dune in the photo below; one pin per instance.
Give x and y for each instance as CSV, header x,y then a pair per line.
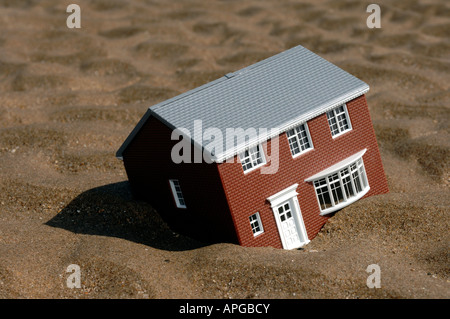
x,y
69,97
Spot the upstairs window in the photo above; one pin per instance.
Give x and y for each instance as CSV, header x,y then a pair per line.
x,y
255,223
299,139
177,194
252,158
339,120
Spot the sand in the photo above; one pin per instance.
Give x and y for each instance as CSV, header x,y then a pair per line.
x,y
69,98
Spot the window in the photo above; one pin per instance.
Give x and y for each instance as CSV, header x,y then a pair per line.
x,y
255,223
299,139
342,187
252,158
339,120
177,194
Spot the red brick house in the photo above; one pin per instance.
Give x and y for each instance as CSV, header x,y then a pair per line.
x,y
324,148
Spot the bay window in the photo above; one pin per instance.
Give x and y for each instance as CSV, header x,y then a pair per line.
x,y
340,184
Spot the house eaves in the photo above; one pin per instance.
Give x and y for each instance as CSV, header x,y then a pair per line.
x,y
280,92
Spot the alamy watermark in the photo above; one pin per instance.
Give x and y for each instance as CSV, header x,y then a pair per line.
x,y
374,19
374,280
74,19
216,145
74,279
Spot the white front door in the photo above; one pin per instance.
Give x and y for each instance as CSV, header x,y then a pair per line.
x,y
288,226
288,217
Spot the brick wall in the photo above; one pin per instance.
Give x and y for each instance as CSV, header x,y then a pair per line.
x,y
247,194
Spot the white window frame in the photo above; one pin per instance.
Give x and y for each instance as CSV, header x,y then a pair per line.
x,y
251,151
180,202
295,136
255,223
354,170
335,118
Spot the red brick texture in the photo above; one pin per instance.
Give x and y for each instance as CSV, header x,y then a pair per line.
x,y
247,194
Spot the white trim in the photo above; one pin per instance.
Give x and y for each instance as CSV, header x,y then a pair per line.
x,y
258,220
282,196
336,167
293,123
308,136
289,195
302,152
347,118
343,204
177,197
300,221
263,158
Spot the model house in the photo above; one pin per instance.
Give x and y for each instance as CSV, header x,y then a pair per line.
x,y
322,150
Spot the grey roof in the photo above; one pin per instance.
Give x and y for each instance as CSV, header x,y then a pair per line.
x,y
281,92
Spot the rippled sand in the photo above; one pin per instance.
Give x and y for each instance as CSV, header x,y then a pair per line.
x,y
69,97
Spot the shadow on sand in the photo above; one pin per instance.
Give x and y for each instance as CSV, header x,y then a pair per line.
x,y
110,210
